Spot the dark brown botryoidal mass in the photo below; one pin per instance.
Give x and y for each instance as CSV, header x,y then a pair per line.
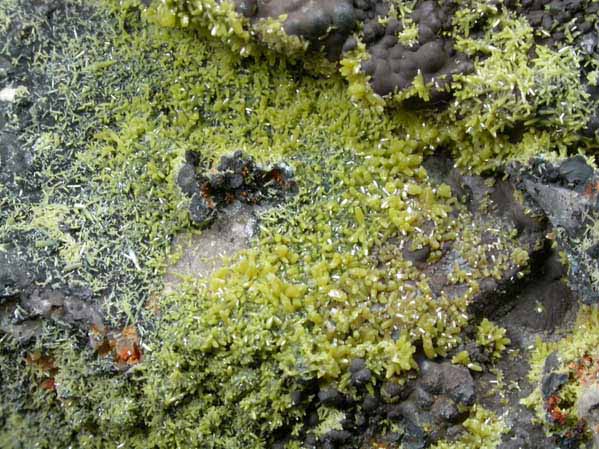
x,y
430,408
555,19
393,66
325,24
329,26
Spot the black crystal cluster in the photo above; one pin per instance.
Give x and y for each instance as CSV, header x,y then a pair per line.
x,y
236,178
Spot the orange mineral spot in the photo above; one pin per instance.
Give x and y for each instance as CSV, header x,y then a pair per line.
x,y
552,407
123,345
127,347
46,368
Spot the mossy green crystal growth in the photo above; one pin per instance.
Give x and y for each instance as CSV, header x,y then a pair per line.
x,y
516,87
325,282
491,338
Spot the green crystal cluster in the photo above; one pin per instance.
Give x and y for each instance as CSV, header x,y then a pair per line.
x,y
517,86
326,281
491,338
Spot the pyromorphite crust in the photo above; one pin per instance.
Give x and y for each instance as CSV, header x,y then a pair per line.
x,y
505,95
326,282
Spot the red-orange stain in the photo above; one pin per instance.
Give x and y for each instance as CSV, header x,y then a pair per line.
x,y
43,362
123,345
278,177
591,189
207,195
552,407
48,384
47,368
586,369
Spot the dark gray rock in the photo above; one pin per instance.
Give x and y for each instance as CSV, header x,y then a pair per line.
x,y
296,397
392,392
564,207
15,159
5,67
414,437
445,410
516,440
361,377
416,415
357,365
370,404
70,308
588,409
552,363
552,383
360,420
200,212
331,396
431,377
453,433
575,171
457,383
15,274
395,412
417,256
337,436
24,315
422,398
568,194
310,441
186,180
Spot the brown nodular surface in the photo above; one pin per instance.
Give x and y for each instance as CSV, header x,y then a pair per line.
x,y
329,27
236,178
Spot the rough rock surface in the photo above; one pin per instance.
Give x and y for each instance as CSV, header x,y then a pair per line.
x,y
429,408
567,193
529,299
202,254
23,316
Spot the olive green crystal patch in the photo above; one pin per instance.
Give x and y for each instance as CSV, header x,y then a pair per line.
x,y
372,260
